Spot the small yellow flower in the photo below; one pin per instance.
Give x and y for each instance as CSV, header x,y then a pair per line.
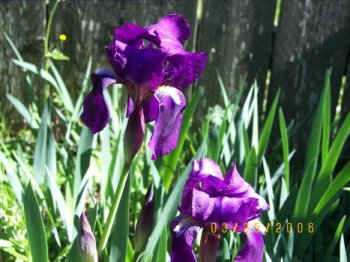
x,y
63,37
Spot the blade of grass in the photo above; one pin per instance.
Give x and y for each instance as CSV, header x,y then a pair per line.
x,y
343,257
325,176
326,118
285,147
20,108
65,97
335,240
35,226
334,189
312,153
161,251
121,227
12,177
255,131
251,168
40,152
83,158
271,196
266,132
38,71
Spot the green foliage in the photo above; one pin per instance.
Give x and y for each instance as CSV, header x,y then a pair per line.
x,y
35,226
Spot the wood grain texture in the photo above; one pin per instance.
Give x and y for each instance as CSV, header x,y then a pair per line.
x,y
312,36
237,35
24,22
89,26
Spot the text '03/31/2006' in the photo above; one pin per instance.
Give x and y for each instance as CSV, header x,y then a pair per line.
x,y
259,227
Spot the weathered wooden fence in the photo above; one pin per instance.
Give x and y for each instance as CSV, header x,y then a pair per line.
x,y
239,36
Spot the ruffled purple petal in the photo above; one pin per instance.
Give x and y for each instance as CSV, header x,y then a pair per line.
x,y
184,69
196,204
172,30
238,187
95,110
233,210
117,57
253,249
173,26
130,33
204,168
183,236
167,127
151,109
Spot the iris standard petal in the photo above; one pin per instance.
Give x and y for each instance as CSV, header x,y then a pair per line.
x,y
196,204
146,66
128,32
204,168
185,68
238,187
173,26
167,127
253,249
117,57
183,237
95,110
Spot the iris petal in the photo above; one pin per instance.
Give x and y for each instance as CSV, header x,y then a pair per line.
x,y
146,66
184,69
95,110
167,127
128,33
183,237
204,168
253,249
196,204
170,28
130,106
150,109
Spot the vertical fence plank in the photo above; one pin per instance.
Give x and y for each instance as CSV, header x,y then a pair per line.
x,y
24,22
237,35
312,36
89,27
144,13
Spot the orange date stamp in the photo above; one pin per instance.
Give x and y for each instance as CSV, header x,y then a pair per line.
x,y
258,227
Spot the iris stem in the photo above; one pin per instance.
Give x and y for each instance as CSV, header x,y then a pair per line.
x,y
114,208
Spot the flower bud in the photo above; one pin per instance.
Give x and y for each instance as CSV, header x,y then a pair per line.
x,y
145,221
134,134
86,241
209,246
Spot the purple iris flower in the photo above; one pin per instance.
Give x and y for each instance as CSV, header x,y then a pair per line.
x,y
153,65
210,199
